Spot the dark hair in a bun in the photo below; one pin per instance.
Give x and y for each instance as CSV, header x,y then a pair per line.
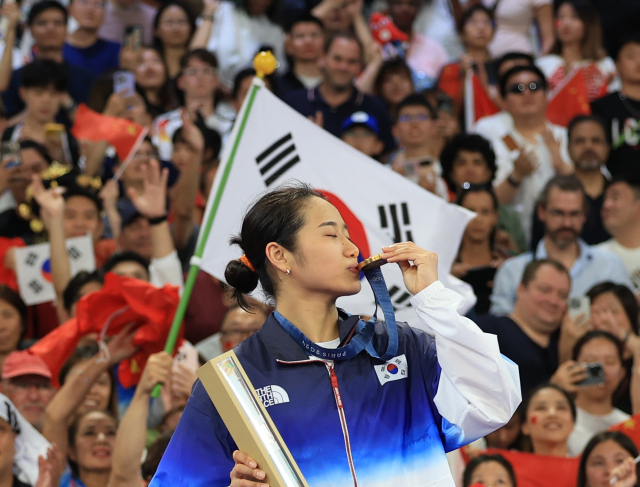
x,y
276,217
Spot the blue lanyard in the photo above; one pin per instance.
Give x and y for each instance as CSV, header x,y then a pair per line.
x,y
362,340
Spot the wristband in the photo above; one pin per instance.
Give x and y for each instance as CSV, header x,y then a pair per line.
x,y
207,18
157,220
513,181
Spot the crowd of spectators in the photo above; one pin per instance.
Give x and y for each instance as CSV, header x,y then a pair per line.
x,y
526,112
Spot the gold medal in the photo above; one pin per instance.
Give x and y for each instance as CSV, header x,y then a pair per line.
x,y
371,263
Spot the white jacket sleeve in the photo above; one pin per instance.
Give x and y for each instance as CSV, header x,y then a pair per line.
x,y
166,270
479,389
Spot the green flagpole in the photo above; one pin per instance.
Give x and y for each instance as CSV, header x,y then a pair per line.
x,y
264,63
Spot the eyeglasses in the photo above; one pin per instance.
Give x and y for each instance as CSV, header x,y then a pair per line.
x,y
27,385
421,117
204,71
519,88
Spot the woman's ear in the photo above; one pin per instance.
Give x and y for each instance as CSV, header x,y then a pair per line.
x,y
278,256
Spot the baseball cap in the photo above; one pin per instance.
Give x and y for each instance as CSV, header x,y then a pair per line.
x,y
24,363
361,118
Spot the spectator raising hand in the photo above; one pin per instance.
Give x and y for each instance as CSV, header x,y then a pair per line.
x,y
130,440
151,203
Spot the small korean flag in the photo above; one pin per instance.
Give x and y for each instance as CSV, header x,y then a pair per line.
x,y
394,369
34,268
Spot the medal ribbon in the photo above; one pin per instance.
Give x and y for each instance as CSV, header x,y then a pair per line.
x,y
362,340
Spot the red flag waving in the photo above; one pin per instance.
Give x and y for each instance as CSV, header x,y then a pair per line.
x,y
121,133
540,470
121,301
630,427
384,30
569,100
477,103
451,80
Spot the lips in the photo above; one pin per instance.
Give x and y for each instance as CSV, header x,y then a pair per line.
x,y
102,452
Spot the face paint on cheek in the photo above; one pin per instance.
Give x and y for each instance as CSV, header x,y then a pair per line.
x,y
227,345
534,419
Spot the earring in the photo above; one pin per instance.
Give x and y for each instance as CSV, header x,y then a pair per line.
x,y
288,272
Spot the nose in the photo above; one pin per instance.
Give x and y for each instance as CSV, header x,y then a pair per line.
x,y
102,438
351,249
34,393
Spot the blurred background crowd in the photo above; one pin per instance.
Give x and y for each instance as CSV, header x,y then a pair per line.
x,y
526,112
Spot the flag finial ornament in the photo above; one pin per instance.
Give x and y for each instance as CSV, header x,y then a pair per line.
x,y
265,63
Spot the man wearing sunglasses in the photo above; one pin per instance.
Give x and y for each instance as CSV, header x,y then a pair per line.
x,y
530,150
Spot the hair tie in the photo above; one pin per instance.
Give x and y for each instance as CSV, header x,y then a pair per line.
x,y
246,262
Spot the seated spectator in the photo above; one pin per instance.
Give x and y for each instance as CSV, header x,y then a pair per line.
x,y
448,125
198,82
129,444
82,283
489,470
48,25
173,26
475,29
43,87
594,403
88,386
34,160
13,318
529,335
469,158
153,82
562,210
578,46
548,418
241,84
84,48
425,56
621,216
237,325
120,15
335,99
609,454
417,158
128,264
303,42
514,21
479,254
393,84
529,149
90,454
235,33
621,110
361,132
588,149
26,381
506,437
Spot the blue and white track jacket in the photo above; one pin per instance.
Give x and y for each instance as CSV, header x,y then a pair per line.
x,y
361,422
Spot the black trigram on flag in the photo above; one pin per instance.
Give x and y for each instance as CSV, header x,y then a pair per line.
x,y
277,159
397,225
31,259
74,253
35,286
398,297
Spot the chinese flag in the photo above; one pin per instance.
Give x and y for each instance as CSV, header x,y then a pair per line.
x,y
121,133
121,301
482,104
8,276
569,100
540,470
630,427
450,81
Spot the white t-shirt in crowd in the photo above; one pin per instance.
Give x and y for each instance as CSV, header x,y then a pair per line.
x,y
514,19
236,37
587,425
494,128
630,258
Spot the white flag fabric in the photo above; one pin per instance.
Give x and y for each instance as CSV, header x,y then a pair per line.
x,y
34,268
379,206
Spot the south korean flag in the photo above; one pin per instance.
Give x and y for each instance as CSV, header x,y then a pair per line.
x,y
35,280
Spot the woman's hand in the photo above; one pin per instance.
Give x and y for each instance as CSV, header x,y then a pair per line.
x,y
156,371
246,473
121,345
571,330
568,374
424,270
152,202
625,473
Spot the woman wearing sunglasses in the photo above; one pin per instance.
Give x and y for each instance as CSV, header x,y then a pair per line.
x,y
530,150
347,417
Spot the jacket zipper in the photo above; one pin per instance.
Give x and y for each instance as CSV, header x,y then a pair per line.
x,y
343,420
